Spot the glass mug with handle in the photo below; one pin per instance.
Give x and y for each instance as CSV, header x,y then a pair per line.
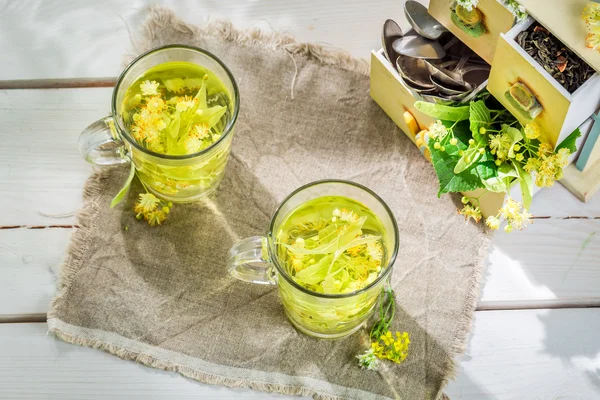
x,y
175,177
330,249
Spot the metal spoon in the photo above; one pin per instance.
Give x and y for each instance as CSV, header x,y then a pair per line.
x,y
414,45
421,21
449,89
390,33
414,70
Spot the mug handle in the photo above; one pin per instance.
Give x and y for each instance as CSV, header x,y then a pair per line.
x,y
248,261
100,143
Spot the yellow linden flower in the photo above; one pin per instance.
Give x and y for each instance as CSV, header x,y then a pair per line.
x,y
532,131
355,251
375,250
184,103
193,145
492,222
510,209
155,104
532,164
149,88
161,125
471,212
437,130
562,157
545,149
156,217
202,131
521,220
591,14
148,202
348,215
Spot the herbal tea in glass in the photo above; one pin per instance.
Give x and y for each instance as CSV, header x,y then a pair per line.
x,y
330,245
173,113
331,248
178,108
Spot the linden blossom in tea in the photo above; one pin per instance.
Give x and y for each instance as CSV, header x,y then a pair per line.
x,y
179,108
176,108
332,245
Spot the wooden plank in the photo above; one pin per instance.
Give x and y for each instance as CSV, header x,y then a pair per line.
x,y
41,171
30,262
556,350
537,354
555,263
87,39
36,366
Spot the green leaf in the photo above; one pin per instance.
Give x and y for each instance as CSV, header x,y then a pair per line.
x,y
486,170
480,117
569,142
470,155
444,164
201,95
117,199
526,185
316,272
445,113
506,170
495,184
515,136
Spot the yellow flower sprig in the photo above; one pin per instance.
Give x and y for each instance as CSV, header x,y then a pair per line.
x,y
383,345
152,209
513,213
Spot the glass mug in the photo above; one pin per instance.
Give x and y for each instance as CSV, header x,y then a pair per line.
x,y
178,178
328,316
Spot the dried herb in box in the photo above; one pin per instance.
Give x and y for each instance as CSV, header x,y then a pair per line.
x,y
565,66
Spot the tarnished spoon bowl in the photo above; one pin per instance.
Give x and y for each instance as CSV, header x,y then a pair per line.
x,y
417,88
415,71
449,89
431,98
390,33
414,45
421,21
476,74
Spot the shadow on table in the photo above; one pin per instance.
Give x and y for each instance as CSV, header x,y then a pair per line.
x,y
562,256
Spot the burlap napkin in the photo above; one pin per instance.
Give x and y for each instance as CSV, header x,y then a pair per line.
x,y
162,296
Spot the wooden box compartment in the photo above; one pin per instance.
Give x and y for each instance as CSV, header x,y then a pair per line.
x,y
496,19
389,92
561,112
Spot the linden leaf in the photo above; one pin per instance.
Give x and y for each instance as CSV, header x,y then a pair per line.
x,y
444,164
445,113
570,141
117,199
469,156
317,272
526,185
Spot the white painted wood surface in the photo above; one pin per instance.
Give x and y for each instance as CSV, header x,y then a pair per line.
x,y
535,354
42,172
514,355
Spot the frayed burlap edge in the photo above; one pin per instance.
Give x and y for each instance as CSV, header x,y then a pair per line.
x,y
87,216
86,220
251,37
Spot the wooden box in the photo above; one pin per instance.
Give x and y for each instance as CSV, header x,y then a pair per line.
x,y
395,99
561,112
496,19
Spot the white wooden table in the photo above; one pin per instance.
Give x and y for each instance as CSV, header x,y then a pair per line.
x,y
537,328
